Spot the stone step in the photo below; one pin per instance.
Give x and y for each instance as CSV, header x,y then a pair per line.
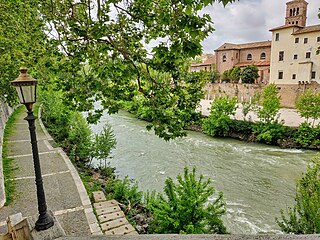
x,y
105,204
125,229
98,196
101,211
114,224
110,216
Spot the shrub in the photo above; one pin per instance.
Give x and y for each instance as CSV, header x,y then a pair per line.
x,y
103,143
307,136
185,207
304,217
125,191
79,138
219,121
269,133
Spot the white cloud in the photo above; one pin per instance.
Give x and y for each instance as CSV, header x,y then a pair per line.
x,y
249,21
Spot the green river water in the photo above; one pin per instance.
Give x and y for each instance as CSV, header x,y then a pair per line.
x,y
257,180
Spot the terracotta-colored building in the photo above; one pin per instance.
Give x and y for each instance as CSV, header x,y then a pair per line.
x,y
257,53
207,63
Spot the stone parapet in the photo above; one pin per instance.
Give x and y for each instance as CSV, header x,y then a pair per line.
x,y
5,112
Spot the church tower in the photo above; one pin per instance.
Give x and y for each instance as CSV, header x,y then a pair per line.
x,y
296,13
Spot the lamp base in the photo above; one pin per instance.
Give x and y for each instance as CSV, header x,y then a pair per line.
x,y
44,222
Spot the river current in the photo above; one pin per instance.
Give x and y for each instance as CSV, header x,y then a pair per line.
x,y
257,180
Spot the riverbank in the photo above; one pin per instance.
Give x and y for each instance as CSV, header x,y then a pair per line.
x,y
289,116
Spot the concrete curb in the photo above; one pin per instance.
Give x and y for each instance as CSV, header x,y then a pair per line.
x,y
86,203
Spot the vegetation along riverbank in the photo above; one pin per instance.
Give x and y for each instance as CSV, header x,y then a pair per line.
x,y
268,129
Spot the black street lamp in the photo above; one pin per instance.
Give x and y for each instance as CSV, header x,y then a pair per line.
x,y
26,87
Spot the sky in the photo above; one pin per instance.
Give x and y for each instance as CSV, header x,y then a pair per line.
x,y
249,21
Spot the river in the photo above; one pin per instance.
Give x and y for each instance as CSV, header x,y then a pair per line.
x,y
257,180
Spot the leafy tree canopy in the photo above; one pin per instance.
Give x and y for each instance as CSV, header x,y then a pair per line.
x,y
112,49
308,105
249,74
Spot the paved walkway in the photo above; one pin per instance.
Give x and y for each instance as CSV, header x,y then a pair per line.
x,y
65,194
290,117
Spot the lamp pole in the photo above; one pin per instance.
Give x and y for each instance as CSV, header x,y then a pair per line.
x,y
26,88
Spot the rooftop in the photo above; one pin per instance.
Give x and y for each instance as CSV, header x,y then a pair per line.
x,y
231,46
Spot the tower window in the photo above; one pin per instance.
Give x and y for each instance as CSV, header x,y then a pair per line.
x,y
224,58
277,36
237,55
296,22
263,56
308,54
280,75
313,75
318,39
290,12
305,40
296,40
249,57
294,12
281,55
295,57
294,76
297,11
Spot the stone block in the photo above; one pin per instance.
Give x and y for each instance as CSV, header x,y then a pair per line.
x,y
110,216
125,229
101,211
98,196
114,224
110,203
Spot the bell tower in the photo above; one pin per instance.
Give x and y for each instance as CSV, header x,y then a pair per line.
x,y
296,13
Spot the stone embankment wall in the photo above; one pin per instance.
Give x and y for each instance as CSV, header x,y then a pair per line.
x,y
5,112
245,92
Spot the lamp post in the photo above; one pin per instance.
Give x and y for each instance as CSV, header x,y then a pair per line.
x,y
26,88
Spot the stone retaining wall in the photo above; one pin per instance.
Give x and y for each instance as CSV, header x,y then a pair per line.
x,y
5,112
244,92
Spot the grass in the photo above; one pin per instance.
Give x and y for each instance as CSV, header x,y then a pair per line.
x,y
8,164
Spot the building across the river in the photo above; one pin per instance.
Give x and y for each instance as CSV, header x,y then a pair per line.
x,y
290,58
294,46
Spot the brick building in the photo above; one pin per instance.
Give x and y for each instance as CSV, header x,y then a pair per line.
x,y
207,63
257,53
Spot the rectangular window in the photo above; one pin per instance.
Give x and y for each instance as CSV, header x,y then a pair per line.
x,y
313,75
308,54
281,55
295,57
296,40
277,36
305,40
318,39
280,75
293,76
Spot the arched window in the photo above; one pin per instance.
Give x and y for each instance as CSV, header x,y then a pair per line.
x,y
297,11
294,12
249,57
263,56
224,58
290,12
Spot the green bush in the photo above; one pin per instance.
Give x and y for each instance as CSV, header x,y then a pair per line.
x,y
125,191
219,121
307,136
269,133
185,207
243,127
79,140
304,217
